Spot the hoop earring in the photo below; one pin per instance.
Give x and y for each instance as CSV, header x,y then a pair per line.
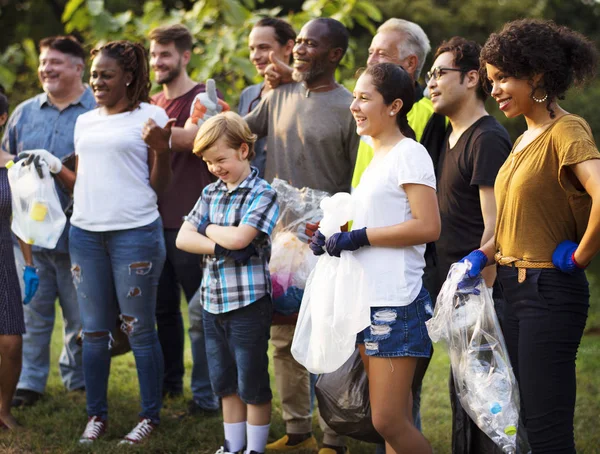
x,y
539,100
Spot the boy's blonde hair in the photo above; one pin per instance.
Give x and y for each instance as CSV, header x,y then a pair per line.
x,y
231,127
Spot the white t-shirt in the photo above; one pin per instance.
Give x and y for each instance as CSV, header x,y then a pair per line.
x,y
394,274
112,190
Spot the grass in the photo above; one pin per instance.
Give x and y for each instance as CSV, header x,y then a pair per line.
x,y
54,424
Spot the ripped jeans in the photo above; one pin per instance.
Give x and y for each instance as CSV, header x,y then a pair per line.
x,y
111,271
397,331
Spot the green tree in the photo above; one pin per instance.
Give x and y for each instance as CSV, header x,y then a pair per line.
x,y
219,26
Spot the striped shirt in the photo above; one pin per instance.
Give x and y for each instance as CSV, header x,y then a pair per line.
x,y
226,284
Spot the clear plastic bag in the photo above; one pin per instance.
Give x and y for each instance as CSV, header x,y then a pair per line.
x,y
38,217
466,321
335,302
291,258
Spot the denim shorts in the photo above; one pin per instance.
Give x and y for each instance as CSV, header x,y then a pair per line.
x,y
236,350
398,331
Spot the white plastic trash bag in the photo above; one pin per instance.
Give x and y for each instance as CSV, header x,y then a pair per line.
x,y
38,217
485,384
335,302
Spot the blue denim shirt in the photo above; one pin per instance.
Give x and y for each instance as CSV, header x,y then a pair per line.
x,y
35,124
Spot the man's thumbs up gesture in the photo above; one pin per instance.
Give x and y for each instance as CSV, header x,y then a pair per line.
x,y
156,137
278,72
207,104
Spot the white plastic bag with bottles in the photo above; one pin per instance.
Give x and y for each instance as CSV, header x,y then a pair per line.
x,y
38,217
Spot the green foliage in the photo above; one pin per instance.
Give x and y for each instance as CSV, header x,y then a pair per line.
x,y
219,26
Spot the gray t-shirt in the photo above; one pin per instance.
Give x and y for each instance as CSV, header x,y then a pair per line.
x,y
312,141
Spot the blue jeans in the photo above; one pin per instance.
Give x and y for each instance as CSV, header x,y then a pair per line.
x,y
202,392
182,269
54,271
236,346
125,263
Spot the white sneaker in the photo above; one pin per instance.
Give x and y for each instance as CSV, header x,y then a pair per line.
x,y
94,429
221,450
139,433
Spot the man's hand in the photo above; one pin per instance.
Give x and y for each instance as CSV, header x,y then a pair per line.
x,y
32,281
277,72
241,256
157,138
207,104
34,156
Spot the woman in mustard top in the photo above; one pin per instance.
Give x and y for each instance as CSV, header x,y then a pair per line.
x,y
548,222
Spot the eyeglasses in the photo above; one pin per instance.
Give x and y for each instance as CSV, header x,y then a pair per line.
x,y
438,72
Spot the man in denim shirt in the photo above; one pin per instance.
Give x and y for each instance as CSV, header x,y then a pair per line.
x,y
47,121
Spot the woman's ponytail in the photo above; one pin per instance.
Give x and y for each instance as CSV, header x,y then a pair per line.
x,y
405,128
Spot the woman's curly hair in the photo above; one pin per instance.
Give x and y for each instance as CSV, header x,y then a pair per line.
x,y
526,47
132,58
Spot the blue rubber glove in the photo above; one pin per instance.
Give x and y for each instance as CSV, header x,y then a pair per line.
x,y
317,243
32,281
347,241
478,261
241,255
563,257
472,279
203,226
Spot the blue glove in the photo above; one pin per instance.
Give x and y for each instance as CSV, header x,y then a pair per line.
x,y
317,243
563,257
203,226
478,261
347,241
468,285
241,255
32,281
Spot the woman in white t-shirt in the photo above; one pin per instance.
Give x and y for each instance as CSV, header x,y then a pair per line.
x,y
397,215
116,239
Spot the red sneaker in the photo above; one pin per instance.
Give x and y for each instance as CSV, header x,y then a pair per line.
x,y
139,433
94,429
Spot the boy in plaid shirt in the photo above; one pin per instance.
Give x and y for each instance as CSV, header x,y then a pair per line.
x,y
231,226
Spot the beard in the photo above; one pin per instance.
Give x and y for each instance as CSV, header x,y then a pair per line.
x,y
316,69
171,75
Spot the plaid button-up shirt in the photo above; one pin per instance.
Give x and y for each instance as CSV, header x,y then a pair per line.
x,y
226,284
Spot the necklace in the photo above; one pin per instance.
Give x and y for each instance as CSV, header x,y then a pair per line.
x,y
308,90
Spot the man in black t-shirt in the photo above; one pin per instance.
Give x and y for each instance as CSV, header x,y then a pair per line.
x,y
476,146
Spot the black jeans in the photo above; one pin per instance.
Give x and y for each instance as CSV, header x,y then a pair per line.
x,y
543,324
181,268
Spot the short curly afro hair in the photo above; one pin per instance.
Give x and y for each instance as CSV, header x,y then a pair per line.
x,y
526,47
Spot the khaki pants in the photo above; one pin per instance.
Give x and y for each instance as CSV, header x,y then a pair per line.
x,y
293,384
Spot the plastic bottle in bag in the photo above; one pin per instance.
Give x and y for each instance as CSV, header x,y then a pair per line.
x,y
483,378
